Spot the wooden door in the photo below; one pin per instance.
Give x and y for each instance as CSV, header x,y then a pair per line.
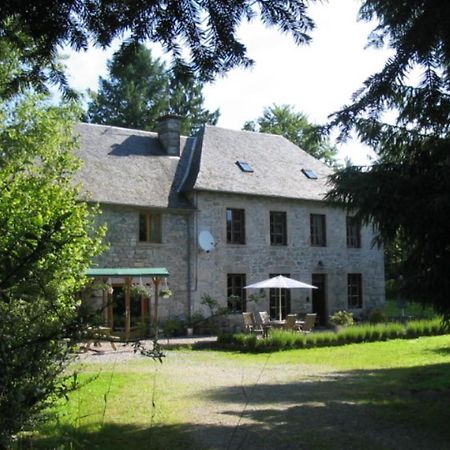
x,y
319,299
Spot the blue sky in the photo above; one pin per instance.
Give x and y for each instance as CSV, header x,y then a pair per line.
x,y
317,79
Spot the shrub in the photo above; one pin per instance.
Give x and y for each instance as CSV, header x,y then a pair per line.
x,y
416,328
47,239
342,318
377,316
285,340
174,327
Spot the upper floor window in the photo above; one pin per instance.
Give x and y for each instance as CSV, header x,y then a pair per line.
x,y
318,230
278,228
354,290
236,294
353,232
235,226
150,227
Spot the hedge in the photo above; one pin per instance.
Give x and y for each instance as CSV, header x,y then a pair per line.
x,y
287,340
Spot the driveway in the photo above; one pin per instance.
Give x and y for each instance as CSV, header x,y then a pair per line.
x,y
253,402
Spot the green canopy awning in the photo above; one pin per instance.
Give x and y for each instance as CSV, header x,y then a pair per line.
x,y
128,272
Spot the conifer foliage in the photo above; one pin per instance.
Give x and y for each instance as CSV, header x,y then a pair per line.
x,y
406,193
140,89
206,28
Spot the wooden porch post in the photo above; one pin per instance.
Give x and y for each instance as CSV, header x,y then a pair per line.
x,y
127,307
156,283
105,306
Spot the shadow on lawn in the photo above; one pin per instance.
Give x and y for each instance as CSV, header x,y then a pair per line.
x,y
112,436
442,351
379,409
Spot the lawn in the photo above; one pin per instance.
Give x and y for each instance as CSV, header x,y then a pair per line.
x,y
391,394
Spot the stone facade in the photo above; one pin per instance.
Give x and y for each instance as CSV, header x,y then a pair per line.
x,y
258,259
195,273
125,250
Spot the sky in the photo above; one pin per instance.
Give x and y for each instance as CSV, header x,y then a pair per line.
x,y
317,79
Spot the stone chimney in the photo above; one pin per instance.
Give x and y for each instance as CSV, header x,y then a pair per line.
x,y
169,130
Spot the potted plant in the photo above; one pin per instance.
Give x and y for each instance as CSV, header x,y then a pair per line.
x,y
139,290
165,293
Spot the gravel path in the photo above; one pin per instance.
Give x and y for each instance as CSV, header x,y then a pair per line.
x,y
259,404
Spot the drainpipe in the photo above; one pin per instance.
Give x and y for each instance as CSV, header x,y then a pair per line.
x,y
189,262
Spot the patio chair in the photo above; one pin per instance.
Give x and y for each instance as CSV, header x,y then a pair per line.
x,y
250,325
265,322
292,323
265,317
310,321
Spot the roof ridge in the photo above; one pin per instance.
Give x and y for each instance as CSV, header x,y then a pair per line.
x,y
133,130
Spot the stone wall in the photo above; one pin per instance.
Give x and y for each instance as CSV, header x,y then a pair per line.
x,y
125,250
207,272
258,259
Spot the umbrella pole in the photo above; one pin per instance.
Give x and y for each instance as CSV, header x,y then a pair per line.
x,y
279,296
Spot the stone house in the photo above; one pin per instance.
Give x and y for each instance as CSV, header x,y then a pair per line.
x,y
224,209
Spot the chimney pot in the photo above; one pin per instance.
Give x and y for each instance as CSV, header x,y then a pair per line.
x,y
169,131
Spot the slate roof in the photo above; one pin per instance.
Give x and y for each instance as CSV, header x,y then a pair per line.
x,y
129,167
277,165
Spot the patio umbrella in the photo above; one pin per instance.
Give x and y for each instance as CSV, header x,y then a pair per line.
x,y
280,282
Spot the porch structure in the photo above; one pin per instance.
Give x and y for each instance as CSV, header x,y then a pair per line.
x,y
122,280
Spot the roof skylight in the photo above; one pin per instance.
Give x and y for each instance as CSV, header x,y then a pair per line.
x,y
244,166
309,173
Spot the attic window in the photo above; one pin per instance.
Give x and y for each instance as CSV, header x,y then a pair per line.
x,y
244,166
309,173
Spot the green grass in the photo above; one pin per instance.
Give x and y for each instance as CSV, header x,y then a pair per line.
x,y
117,407
396,353
398,386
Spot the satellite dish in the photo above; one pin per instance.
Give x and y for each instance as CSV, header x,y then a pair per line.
x,y
206,241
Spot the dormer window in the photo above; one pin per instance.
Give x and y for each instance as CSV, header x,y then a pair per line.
x,y
244,166
309,173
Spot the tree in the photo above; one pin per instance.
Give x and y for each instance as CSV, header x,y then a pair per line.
x,y
406,192
296,127
21,66
48,238
140,89
206,28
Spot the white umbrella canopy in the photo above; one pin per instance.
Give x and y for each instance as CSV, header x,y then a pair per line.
x,y
280,282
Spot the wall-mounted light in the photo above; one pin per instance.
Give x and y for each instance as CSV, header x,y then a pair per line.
x,y
320,265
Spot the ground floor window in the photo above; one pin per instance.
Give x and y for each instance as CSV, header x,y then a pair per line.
x,y
274,296
236,294
354,290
